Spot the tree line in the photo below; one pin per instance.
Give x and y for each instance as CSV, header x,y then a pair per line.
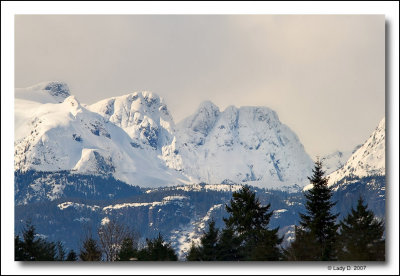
x,y
246,236
116,242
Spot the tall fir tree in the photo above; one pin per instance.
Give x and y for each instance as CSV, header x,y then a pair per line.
x,y
316,236
90,251
361,236
207,250
249,221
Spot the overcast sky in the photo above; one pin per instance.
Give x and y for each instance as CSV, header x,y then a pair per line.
x,y
323,74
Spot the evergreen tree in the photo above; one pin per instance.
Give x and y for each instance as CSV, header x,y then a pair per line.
x,y
229,246
207,251
303,248
361,236
194,253
128,250
60,251
18,249
71,257
249,221
316,236
33,248
157,250
90,251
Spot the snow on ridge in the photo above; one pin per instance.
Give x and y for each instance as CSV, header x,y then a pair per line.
x,y
202,187
369,159
75,205
142,115
175,197
182,238
207,217
44,92
335,160
133,204
165,200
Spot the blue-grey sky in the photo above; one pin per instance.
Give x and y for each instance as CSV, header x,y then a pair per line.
x,y
323,74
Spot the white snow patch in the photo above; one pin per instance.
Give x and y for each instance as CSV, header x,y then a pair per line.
x,y
105,221
68,204
183,237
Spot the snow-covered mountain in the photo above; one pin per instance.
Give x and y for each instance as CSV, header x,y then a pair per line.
x,y
367,160
143,115
134,138
239,145
337,159
67,155
54,132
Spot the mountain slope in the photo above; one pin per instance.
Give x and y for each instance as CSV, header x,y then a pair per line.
x,y
337,159
368,160
53,136
143,115
134,138
240,145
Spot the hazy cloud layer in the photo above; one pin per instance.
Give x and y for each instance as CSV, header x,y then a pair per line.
x,y
323,74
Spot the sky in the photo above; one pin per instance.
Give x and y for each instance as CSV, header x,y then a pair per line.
x,y
323,74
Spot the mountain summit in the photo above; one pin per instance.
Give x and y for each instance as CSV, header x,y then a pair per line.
x,y
56,136
240,145
142,115
134,138
367,160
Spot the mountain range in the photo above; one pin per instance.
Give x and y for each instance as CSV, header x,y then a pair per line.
x,y
134,138
124,158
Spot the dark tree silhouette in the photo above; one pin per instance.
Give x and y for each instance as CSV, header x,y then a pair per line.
x,y
361,236
90,251
317,233
128,250
207,251
71,257
34,248
229,246
157,250
249,222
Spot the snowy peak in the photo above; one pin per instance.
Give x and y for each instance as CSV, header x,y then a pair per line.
x,y
367,160
142,115
45,92
240,145
337,159
54,136
94,161
134,138
203,119
57,89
